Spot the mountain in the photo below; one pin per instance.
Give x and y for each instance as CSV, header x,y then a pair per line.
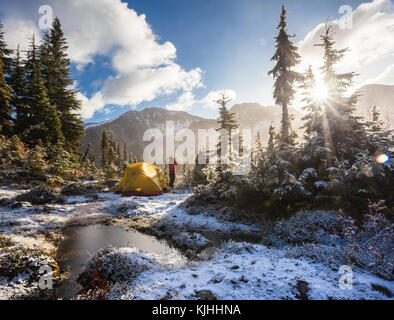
x,y
380,95
130,127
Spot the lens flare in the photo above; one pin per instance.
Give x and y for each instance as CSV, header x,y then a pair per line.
x,y
320,92
382,158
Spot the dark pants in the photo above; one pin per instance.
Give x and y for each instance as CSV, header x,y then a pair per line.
x,y
172,179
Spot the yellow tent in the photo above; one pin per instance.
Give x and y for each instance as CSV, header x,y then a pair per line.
x,y
142,179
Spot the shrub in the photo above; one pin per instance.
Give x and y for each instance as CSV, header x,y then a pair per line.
x,y
116,265
36,163
370,246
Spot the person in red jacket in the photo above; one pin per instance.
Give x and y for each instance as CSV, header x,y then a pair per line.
x,y
172,166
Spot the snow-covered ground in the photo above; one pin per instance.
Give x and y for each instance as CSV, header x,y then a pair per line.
x,y
228,271
254,272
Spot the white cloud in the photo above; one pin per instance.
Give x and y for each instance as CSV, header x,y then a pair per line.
x,y
148,83
369,40
90,106
184,102
145,67
213,96
18,32
187,101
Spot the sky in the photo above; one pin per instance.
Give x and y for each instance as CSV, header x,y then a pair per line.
x,y
180,54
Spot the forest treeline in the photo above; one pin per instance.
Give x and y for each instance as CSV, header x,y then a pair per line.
x,y
341,161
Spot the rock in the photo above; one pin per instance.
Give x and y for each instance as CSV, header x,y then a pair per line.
x,y
193,241
234,268
207,253
77,189
171,294
111,183
205,295
382,290
126,207
217,278
21,204
302,289
190,254
40,196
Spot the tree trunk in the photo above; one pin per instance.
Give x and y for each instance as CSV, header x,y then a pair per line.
x,y
285,124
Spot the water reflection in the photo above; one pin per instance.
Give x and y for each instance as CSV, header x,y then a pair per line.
x,y
81,242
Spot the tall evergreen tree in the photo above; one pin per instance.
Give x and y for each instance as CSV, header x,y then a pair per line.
x,y
315,149
311,106
5,52
271,139
43,120
125,152
343,131
105,146
56,74
5,104
286,58
18,84
376,125
228,123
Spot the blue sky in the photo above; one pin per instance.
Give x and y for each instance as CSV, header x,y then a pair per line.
x,y
227,42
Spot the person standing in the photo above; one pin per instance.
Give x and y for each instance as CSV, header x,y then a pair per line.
x,y
172,166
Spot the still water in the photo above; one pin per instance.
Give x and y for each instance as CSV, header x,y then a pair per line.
x,y
81,242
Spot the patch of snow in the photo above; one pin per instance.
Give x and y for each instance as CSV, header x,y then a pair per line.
x,y
245,271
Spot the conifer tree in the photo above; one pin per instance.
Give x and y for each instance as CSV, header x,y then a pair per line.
x,y
43,119
376,125
105,145
56,74
131,157
271,140
5,104
258,144
125,152
315,147
286,58
5,52
87,151
36,163
379,140
343,131
118,154
18,84
227,125
92,157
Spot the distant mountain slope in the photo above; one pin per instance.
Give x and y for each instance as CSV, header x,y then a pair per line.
x,y
130,127
380,95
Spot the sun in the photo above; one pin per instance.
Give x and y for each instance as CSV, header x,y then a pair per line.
x,y
320,92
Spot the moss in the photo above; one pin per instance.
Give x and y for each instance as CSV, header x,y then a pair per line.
x,y
5,242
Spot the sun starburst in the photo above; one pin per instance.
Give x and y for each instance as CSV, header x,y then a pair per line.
x,y
320,92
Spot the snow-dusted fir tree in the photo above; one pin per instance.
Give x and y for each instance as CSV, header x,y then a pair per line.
x,y
56,74
5,52
227,125
5,104
286,58
315,150
343,131
43,121
18,83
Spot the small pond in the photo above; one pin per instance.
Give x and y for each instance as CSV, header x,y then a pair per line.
x,y
81,242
